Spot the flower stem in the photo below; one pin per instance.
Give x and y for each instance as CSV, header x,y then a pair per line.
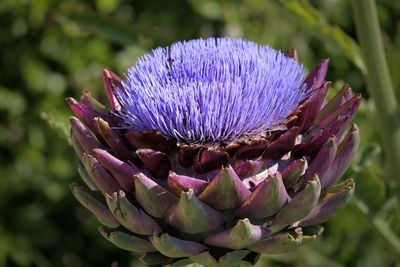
x,y
379,84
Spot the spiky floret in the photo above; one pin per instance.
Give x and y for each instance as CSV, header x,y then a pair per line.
x,y
211,90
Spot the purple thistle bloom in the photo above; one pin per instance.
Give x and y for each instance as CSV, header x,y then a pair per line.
x,y
173,198
211,90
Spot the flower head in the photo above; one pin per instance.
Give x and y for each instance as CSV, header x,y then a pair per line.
x,y
211,90
172,197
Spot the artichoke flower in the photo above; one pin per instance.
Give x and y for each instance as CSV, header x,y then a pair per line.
x,y
213,152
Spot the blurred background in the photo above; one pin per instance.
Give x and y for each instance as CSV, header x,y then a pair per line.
x,y
51,49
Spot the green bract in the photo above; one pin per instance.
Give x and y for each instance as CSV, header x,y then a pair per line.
x,y
222,203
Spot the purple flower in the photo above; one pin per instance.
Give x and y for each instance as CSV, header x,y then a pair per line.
x,y
267,182
211,90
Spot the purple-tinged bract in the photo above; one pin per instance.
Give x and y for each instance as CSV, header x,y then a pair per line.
x,y
211,90
214,152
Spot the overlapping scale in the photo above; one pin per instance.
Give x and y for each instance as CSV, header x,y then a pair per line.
x,y
215,204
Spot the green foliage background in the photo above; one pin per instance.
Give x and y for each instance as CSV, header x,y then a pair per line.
x,y
50,49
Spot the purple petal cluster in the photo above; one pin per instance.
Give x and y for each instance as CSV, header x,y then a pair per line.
x,y
212,90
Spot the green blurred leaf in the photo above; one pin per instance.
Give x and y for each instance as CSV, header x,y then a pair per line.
x,y
380,226
105,27
209,9
11,102
316,22
61,128
370,187
107,5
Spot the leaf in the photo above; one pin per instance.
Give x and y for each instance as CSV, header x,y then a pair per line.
x,y
105,27
61,128
380,226
317,23
208,9
370,187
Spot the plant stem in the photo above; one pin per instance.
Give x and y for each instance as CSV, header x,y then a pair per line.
x,y
379,84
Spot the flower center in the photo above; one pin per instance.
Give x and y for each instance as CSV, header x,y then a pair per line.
x,y
212,90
